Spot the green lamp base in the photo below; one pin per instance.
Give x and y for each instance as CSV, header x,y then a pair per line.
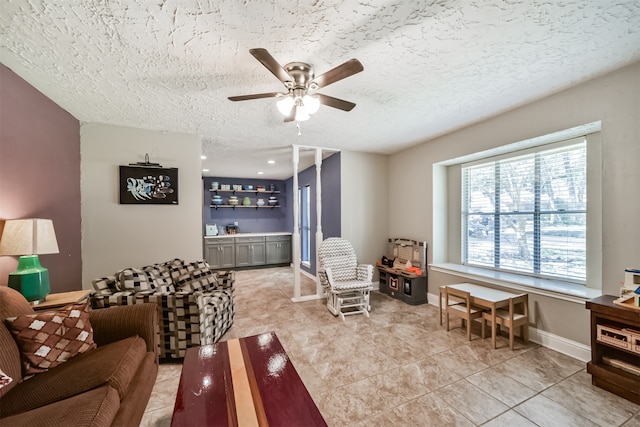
x,y
30,279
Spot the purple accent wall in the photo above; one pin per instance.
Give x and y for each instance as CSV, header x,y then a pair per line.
x,y
331,195
40,174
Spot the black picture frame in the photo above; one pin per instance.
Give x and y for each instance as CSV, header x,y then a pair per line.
x,y
143,185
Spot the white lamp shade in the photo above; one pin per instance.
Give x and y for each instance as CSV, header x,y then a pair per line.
x,y
285,105
311,103
301,114
28,237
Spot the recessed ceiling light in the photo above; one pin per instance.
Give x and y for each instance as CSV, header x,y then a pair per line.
x,y
205,170
203,157
260,173
271,162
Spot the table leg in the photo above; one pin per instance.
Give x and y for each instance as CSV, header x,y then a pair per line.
x,y
440,303
493,326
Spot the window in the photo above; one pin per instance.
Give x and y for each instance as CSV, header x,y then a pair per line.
x,y
304,210
526,212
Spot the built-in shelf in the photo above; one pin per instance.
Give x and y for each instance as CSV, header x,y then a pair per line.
x,y
245,191
245,206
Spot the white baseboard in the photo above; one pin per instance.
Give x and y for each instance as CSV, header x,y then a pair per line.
x,y
560,344
309,275
432,299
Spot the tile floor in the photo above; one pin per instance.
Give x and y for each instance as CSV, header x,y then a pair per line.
x,y
401,368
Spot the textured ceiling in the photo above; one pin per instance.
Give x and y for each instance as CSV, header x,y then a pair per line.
x,y
429,66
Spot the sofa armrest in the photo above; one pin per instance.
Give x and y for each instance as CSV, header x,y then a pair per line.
x,y
116,323
226,279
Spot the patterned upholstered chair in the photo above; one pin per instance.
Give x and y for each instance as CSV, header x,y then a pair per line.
x,y
346,283
195,304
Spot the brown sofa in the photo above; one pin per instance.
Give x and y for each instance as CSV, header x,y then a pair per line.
x,y
107,386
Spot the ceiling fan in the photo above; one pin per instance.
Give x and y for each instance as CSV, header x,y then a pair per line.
x,y
300,100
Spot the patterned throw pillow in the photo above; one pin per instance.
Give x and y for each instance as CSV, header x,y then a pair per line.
x,y
105,285
5,379
147,278
134,279
50,338
160,277
195,276
174,262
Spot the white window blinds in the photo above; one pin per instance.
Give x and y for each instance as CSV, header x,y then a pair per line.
x,y
526,212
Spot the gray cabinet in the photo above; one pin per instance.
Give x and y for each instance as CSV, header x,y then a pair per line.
x,y
247,251
250,251
219,252
278,249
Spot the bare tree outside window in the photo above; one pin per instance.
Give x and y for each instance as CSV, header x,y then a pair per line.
x,y
527,213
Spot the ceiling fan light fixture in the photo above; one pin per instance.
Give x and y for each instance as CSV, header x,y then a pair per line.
x,y
298,78
285,105
311,103
301,114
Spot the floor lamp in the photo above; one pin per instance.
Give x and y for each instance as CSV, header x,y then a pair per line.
x,y
29,238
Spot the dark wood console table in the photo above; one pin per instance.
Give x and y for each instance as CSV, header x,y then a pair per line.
x,y
615,348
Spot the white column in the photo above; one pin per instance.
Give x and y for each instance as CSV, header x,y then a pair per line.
x,y
319,235
296,231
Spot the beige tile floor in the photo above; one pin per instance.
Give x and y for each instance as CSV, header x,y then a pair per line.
x,y
401,368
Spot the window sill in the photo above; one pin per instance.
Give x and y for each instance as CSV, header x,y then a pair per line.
x,y
305,264
550,288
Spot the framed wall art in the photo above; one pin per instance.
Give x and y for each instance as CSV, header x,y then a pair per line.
x,y
144,185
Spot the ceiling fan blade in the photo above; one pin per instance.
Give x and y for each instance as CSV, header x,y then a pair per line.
x,y
349,68
271,64
330,101
255,96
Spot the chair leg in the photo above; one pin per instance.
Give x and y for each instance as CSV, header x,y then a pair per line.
x,y
524,332
447,320
469,330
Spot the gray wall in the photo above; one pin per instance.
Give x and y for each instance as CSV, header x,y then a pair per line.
x,y
117,236
615,100
365,207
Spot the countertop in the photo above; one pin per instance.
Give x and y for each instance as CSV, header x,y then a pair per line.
x,y
272,233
